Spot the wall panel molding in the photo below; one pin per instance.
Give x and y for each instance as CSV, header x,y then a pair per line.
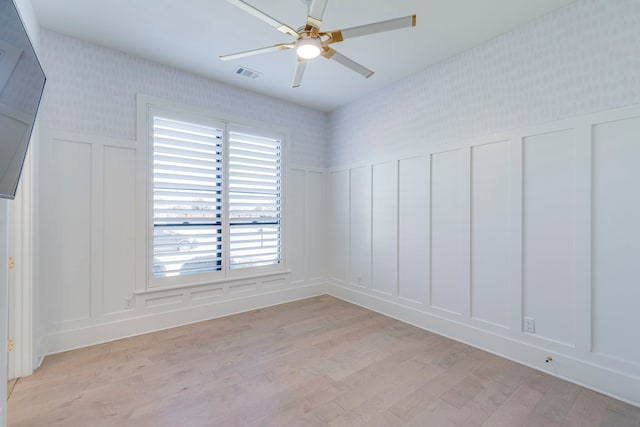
x,y
586,372
169,311
539,222
449,232
615,239
93,247
384,228
490,233
413,230
549,235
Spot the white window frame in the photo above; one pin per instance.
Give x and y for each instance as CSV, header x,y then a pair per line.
x,y
147,108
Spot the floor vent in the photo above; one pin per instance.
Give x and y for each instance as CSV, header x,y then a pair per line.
x,y
245,72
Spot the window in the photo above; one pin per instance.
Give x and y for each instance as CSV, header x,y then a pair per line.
x,y
216,197
254,200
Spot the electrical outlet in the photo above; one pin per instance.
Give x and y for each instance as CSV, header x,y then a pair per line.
x,y
128,303
359,281
529,325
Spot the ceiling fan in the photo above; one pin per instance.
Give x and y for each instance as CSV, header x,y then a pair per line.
x,y
310,42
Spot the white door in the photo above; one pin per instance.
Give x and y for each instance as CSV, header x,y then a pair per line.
x,y
20,360
4,295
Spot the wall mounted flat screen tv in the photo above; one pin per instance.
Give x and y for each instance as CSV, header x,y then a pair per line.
x,y
21,85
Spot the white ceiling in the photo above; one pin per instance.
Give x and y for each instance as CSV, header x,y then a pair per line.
x,y
191,34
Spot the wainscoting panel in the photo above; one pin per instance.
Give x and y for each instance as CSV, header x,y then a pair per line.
x,y
67,224
616,239
385,228
119,231
413,229
316,213
448,240
93,194
549,235
360,226
295,227
538,223
339,226
490,233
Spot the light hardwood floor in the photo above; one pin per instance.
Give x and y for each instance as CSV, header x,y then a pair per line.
x,y
315,362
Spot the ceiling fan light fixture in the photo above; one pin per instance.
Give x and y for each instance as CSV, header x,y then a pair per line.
x,y
308,48
310,42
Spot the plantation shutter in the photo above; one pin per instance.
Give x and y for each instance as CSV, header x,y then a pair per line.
x,y
187,197
254,199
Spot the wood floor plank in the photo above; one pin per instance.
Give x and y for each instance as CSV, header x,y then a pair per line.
x,y
317,362
588,410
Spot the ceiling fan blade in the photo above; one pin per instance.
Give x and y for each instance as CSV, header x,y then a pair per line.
x,y
316,11
376,27
297,77
274,48
349,63
283,28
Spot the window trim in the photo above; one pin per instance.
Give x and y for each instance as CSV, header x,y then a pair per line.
x,y
147,107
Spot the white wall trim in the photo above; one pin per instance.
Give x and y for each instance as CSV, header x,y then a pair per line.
x,y
618,385
123,328
98,307
561,293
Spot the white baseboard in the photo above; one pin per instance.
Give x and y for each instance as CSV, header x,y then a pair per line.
x,y
123,328
610,382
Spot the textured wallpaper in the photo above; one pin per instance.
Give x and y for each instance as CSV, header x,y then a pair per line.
x,y
92,89
582,58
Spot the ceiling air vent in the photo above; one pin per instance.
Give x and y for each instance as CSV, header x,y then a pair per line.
x,y
245,72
